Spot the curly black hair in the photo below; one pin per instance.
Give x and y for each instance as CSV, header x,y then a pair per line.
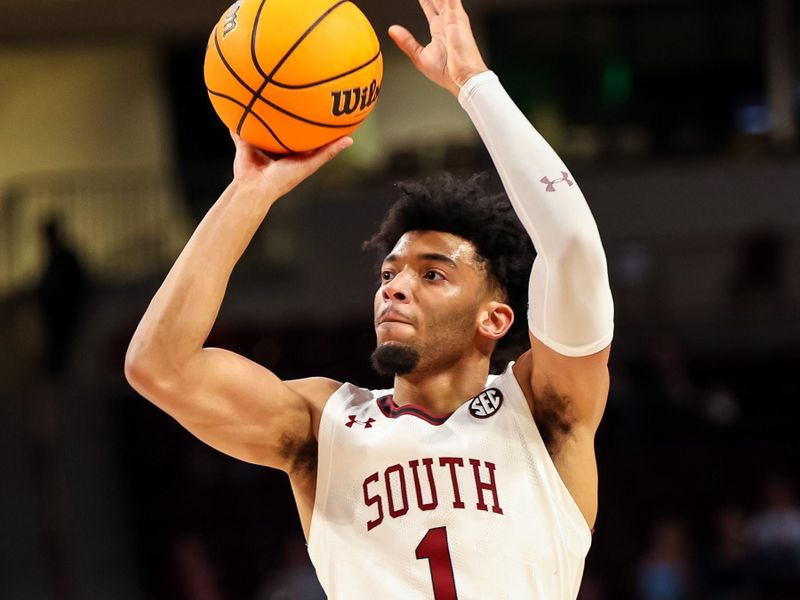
x,y
463,207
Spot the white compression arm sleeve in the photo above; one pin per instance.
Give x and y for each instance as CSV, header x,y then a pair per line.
x,y
570,305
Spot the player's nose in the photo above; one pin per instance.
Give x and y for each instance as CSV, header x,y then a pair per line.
x,y
399,288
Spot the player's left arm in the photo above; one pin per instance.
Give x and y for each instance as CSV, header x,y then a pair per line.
x,y
571,314
570,308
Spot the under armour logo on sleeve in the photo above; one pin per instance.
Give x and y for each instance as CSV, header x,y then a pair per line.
x,y
551,185
354,421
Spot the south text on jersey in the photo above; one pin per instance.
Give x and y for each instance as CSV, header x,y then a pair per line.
x,y
435,482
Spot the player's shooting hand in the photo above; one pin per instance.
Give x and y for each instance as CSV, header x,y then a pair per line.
x,y
277,176
452,57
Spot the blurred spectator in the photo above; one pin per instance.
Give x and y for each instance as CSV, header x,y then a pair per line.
x,y
722,408
61,292
758,285
774,535
728,573
655,390
665,572
592,588
196,576
670,361
633,271
296,580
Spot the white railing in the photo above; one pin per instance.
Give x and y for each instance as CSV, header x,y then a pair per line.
x,y
124,225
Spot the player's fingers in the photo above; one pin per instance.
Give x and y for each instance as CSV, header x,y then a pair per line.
x,y
249,152
430,8
335,147
406,42
455,13
241,145
308,164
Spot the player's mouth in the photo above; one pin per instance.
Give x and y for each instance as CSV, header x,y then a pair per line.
x,y
392,316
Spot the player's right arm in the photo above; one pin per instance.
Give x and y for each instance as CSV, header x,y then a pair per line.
x,y
226,400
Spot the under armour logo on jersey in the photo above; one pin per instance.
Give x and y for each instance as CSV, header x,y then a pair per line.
x,y
487,403
551,185
354,421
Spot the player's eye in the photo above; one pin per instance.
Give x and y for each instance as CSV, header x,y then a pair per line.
x,y
386,276
432,275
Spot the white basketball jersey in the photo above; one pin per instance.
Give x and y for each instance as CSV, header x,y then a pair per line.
x,y
468,506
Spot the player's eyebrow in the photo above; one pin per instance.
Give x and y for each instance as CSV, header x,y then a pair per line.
x,y
429,256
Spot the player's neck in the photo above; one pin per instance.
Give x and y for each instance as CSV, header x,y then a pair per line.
x,y
442,392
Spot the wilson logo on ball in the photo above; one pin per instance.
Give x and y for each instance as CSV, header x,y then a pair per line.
x,y
230,20
357,99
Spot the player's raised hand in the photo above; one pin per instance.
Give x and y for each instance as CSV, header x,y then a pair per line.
x,y
278,176
452,57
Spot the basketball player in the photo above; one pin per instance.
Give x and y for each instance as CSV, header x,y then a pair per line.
x,y
455,483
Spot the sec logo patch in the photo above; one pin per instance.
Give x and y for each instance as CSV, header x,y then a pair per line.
x,y
487,403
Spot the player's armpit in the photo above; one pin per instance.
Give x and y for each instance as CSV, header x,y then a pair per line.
x,y
583,381
239,407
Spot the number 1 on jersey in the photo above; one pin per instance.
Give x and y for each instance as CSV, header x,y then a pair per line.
x,y
435,549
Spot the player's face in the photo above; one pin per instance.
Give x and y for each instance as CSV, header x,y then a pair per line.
x,y
432,287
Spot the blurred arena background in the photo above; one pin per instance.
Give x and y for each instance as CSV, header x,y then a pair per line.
x,y
678,117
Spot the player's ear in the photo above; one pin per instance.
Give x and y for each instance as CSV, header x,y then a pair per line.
x,y
495,320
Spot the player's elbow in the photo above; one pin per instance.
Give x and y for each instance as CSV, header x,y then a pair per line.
x,y
585,251
136,373
146,373
140,377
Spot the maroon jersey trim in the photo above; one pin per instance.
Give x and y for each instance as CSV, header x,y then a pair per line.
x,y
392,411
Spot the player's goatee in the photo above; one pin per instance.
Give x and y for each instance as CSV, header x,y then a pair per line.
x,y
394,359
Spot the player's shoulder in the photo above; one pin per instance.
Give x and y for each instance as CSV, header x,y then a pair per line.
x,y
522,368
316,390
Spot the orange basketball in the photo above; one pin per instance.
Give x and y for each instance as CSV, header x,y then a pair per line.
x,y
292,75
